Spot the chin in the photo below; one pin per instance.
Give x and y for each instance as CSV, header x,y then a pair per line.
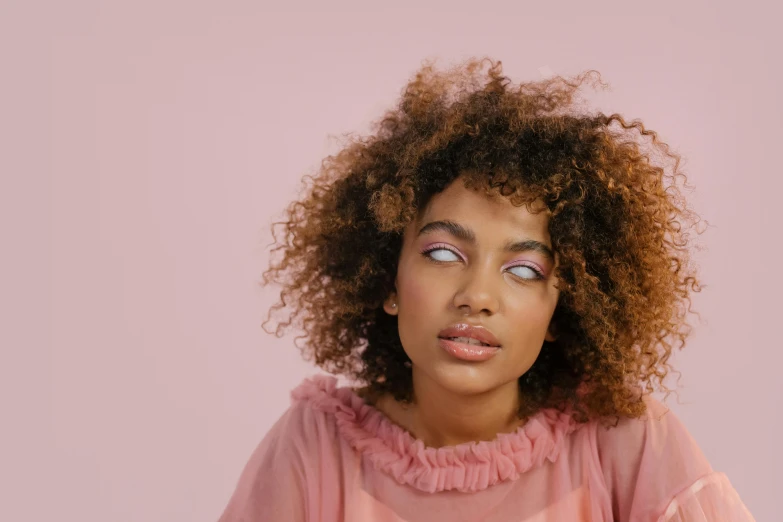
x,y
466,378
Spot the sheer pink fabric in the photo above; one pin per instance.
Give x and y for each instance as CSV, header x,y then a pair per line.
x,y
331,457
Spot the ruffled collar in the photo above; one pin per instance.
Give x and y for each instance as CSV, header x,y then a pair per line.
x,y
467,467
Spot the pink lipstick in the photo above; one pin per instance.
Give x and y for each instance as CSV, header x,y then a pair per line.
x,y
468,342
468,352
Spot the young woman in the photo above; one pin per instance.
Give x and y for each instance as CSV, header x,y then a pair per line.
x,y
503,278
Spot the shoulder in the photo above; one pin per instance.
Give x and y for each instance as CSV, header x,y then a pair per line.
x,y
633,432
646,461
658,433
311,417
284,477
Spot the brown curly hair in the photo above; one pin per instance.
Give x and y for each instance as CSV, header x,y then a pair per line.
x,y
624,275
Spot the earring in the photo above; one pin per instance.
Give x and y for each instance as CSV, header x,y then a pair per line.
x,y
394,305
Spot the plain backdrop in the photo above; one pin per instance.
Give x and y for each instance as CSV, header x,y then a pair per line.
x,y
148,146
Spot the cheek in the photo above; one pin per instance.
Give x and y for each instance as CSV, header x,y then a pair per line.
x,y
415,291
421,297
533,313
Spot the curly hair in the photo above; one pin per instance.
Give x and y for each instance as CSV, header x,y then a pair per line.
x,y
624,273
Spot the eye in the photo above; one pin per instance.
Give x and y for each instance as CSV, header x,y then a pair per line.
x,y
441,254
526,272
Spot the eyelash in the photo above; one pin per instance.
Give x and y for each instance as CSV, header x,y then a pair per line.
x,y
426,253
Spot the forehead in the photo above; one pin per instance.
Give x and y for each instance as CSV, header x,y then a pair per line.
x,y
485,213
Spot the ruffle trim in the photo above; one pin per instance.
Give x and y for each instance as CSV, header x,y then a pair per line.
x,y
467,467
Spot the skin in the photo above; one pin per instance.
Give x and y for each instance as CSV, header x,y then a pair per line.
x,y
481,283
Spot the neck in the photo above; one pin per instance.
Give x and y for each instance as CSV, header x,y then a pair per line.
x,y
440,417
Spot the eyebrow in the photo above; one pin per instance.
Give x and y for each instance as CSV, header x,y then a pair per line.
x,y
466,234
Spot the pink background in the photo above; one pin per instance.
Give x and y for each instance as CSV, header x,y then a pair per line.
x,y
147,146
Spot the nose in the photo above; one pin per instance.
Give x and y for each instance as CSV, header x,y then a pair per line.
x,y
477,292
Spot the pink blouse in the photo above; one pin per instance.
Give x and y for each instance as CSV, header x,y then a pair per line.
x,y
332,457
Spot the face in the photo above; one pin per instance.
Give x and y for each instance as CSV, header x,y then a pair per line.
x,y
481,261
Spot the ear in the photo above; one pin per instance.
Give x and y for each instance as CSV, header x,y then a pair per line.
x,y
390,305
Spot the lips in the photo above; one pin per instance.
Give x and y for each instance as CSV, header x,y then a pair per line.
x,y
464,330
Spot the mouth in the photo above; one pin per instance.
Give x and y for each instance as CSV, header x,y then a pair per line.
x,y
470,352
469,335
468,342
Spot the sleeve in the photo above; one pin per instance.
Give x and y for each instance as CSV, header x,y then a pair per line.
x,y
656,472
272,484
711,497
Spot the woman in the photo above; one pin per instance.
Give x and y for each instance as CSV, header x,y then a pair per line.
x,y
503,278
